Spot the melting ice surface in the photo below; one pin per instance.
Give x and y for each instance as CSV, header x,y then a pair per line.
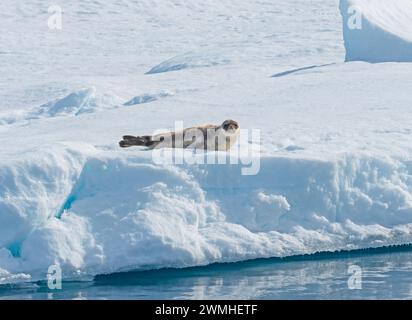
x,y
336,140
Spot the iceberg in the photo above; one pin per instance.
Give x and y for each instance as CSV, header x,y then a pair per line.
x,y
335,148
377,30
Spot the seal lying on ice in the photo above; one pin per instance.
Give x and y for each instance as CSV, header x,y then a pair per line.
x,y
209,137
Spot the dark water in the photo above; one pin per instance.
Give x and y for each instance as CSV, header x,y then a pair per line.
x,y
385,274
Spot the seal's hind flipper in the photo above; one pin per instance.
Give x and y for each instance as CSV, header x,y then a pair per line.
x,y
124,144
129,141
129,137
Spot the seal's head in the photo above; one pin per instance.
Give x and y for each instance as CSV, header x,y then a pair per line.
x,y
230,126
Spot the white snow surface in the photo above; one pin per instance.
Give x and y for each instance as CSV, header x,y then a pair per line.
x,y
377,30
336,138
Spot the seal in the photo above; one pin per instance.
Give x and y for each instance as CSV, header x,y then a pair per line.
x,y
208,137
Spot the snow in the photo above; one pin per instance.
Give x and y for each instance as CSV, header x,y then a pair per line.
x,y
335,154
78,102
188,61
377,30
147,97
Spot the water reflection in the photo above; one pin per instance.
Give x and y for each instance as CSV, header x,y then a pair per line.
x,y
384,275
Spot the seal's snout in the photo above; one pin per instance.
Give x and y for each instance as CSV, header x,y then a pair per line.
x,y
230,125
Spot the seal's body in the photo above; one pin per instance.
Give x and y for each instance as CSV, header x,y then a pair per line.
x,y
209,137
